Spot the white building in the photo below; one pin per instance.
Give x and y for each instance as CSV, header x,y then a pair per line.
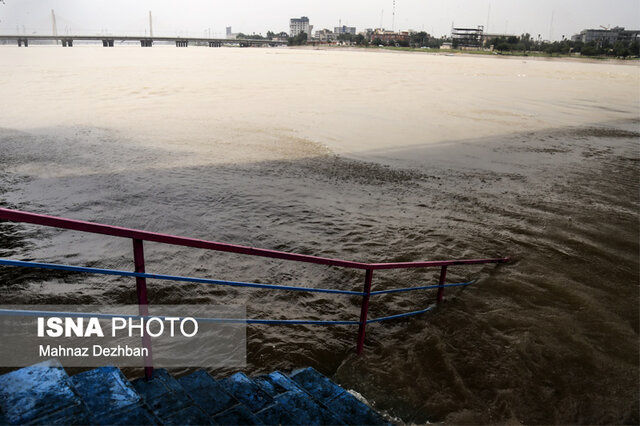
x,y
300,25
607,35
230,34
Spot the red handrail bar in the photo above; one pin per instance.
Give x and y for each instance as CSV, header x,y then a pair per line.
x,y
139,236
436,263
117,231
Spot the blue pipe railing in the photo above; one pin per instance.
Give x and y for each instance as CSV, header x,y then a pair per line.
x,y
116,272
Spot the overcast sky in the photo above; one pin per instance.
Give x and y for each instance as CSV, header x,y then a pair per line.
x,y
194,17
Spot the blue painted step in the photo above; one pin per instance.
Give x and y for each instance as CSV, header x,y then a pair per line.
x,y
110,398
207,393
344,405
40,394
276,383
169,401
237,415
295,400
247,392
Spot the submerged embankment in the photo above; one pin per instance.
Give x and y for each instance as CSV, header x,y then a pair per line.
x,y
382,158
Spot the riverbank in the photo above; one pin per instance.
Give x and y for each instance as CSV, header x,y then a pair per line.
x,y
459,52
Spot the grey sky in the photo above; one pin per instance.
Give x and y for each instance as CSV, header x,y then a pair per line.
x,y
193,17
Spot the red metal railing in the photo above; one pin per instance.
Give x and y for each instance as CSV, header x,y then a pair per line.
x,y
138,236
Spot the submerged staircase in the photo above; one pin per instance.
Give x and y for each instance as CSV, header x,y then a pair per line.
x,y
45,394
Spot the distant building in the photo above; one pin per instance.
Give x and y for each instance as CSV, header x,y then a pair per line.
x,y
300,25
467,37
325,35
387,36
230,34
344,30
607,35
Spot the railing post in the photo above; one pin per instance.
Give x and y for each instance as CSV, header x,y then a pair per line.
x,y
443,277
364,309
143,303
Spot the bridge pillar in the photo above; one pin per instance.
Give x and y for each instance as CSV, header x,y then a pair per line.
x,y
26,42
19,42
146,42
111,43
105,43
64,43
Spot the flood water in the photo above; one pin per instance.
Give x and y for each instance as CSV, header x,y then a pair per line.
x,y
365,156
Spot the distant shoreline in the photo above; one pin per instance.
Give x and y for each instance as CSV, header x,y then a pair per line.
x,y
446,52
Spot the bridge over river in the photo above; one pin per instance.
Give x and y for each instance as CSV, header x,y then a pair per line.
x,y
109,41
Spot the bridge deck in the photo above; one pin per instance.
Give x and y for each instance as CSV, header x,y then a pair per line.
x,y
137,38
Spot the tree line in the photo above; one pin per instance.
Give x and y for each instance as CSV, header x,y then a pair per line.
x,y
525,43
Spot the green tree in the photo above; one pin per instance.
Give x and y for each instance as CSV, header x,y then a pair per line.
x,y
360,40
589,50
419,39
298,40
502,46
620,49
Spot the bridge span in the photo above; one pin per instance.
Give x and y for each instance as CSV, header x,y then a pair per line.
x,y
109,40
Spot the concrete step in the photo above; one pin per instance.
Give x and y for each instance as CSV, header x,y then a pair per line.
x,y
237,415
110,398
277,383
306,410
206,393
40,394
168,400
294,400
341,403
276,414
247,392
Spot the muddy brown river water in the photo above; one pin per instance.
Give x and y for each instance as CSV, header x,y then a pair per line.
x,y
363,156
